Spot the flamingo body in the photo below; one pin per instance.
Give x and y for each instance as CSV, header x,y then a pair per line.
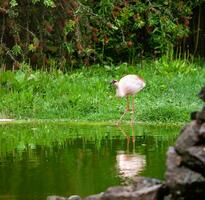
x,y
129,85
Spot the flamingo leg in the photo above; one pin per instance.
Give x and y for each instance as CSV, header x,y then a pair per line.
x,y
128,104
127,109
133,136
133,110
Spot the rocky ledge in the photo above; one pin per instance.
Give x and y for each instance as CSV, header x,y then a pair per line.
x,y
185,173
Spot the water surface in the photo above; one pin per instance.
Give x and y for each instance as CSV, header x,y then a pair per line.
x,y
41,159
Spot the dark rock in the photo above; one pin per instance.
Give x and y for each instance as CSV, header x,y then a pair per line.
x,y
202,132
200,116
56,198
168,197
202,94
141,189
189,137
151,193
183,183
194,158
193,115
173,159
182,176
74,197
129,193
120,192
141,182
94,197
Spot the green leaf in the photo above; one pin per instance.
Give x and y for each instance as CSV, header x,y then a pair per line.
x,y
13,3
16,50
49,3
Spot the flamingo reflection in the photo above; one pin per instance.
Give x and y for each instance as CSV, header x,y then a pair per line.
x,y
129,164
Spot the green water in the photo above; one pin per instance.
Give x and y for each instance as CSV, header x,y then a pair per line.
x,y
42,159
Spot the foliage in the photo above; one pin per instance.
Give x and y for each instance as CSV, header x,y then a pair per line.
x,y
86,94
168,64
73,32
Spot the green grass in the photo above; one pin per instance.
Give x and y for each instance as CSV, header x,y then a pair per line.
x,y
170,94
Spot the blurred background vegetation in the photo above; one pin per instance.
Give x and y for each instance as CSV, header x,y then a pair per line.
x,y
67,34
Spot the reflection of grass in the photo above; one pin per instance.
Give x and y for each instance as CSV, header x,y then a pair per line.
x,y
86,94
41,158
15,138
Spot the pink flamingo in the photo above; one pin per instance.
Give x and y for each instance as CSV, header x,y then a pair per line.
x,y
128,85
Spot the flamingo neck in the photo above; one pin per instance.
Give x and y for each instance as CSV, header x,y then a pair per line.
x,y
119,92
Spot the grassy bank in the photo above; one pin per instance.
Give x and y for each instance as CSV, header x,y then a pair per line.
x,y
86,94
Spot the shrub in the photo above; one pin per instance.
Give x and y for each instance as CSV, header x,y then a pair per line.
x,y
68,33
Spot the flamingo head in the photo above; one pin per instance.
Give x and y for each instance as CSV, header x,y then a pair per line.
x,y
115,83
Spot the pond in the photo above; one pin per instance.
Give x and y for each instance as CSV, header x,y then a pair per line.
x,y
42,159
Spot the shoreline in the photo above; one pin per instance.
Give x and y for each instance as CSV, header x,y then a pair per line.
x,y
87,122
